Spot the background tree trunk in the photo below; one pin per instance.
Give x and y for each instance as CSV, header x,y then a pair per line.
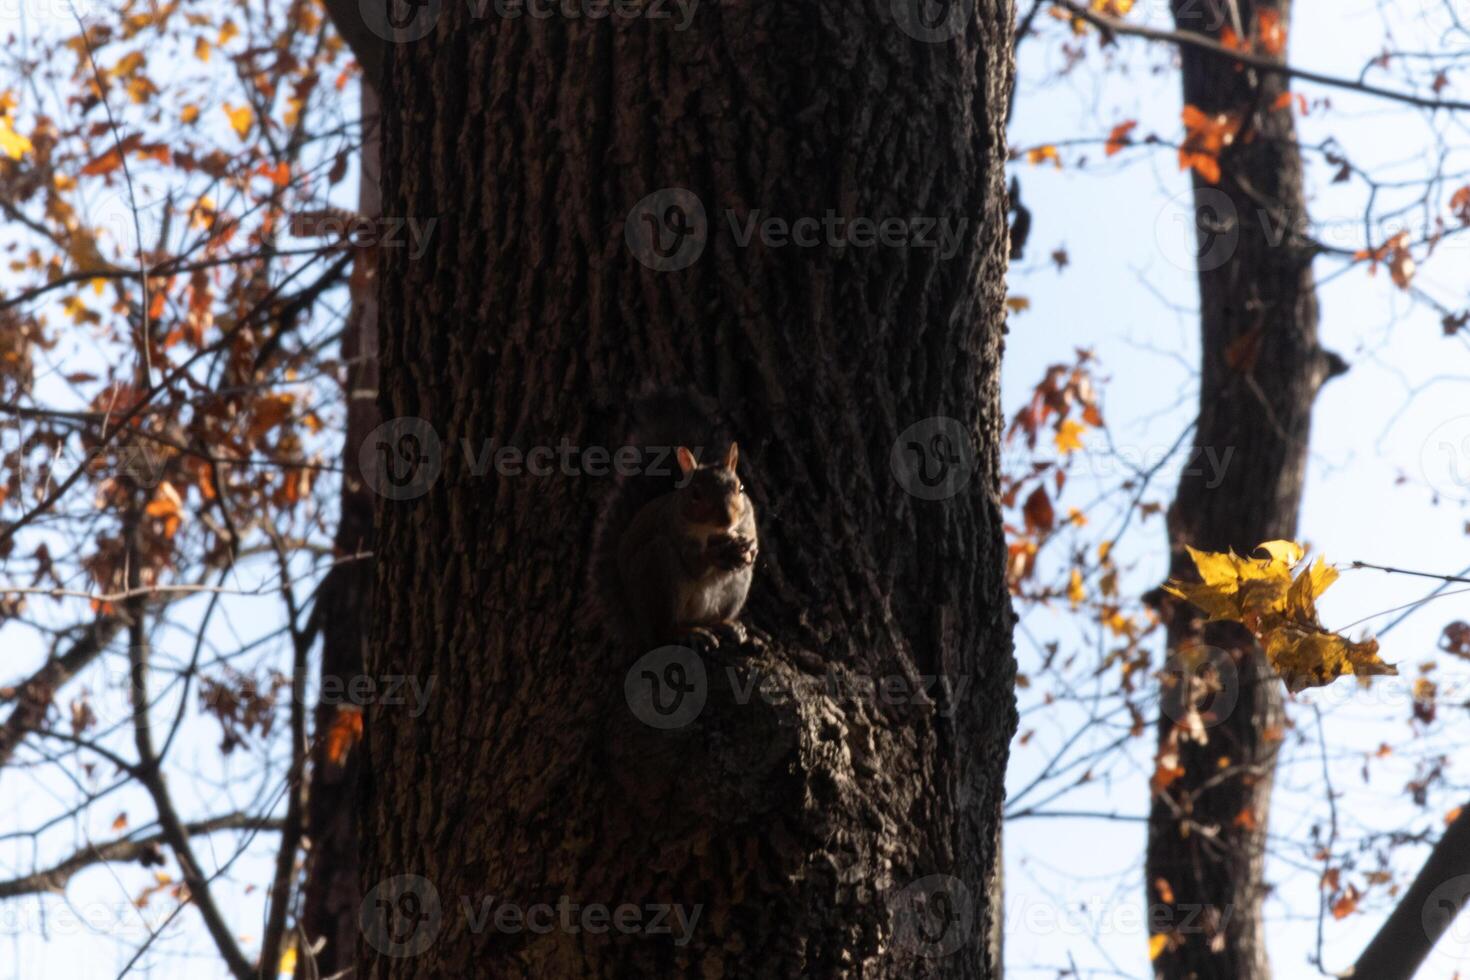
x,y
793,823
1260,373
331,898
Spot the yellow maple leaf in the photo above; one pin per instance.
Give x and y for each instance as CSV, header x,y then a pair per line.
x,y
12,144
1312,658
1281,611
1076,593
1069,436
240,118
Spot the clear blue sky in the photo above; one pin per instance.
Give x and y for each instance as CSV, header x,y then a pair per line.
x,y
1075,887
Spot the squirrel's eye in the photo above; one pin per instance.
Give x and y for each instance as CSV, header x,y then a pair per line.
x,y
740,488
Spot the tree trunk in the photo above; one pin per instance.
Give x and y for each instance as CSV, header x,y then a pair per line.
x,y
1260,373
331,898
806,827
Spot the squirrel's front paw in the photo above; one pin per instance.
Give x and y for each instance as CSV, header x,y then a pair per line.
x,y
731,553
718,635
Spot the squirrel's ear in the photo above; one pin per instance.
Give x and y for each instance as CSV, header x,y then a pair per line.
x,y
732,457
687,462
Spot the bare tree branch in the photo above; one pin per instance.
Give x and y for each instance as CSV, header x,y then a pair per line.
x,y
55,878
150,774
34,695
1260,62
1403,942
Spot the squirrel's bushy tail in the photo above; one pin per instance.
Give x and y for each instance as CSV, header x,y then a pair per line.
x,y
654,422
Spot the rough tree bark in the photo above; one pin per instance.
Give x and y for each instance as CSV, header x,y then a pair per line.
x,y
1260,374
794,819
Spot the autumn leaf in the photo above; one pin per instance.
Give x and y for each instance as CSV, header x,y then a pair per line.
x,y
1347,904
241,119
1272,32
1205,137
12,144
1281,611
1041,154
1394,253
344,733
1460,204
271,411
104,164
280,174
1076,593
1038,511
167,506
1157,943
1069,436
1118,138
1233,41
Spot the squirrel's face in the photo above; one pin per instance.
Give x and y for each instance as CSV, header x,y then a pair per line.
x,y
714,498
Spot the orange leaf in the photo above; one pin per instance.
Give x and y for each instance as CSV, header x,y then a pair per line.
x,y
1272,32
1347,904
1041,154
280,174
1205,137
1460,204
105,164
345,732
1118,138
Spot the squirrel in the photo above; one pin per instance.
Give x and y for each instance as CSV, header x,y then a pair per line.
x,y
687,559
677,561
